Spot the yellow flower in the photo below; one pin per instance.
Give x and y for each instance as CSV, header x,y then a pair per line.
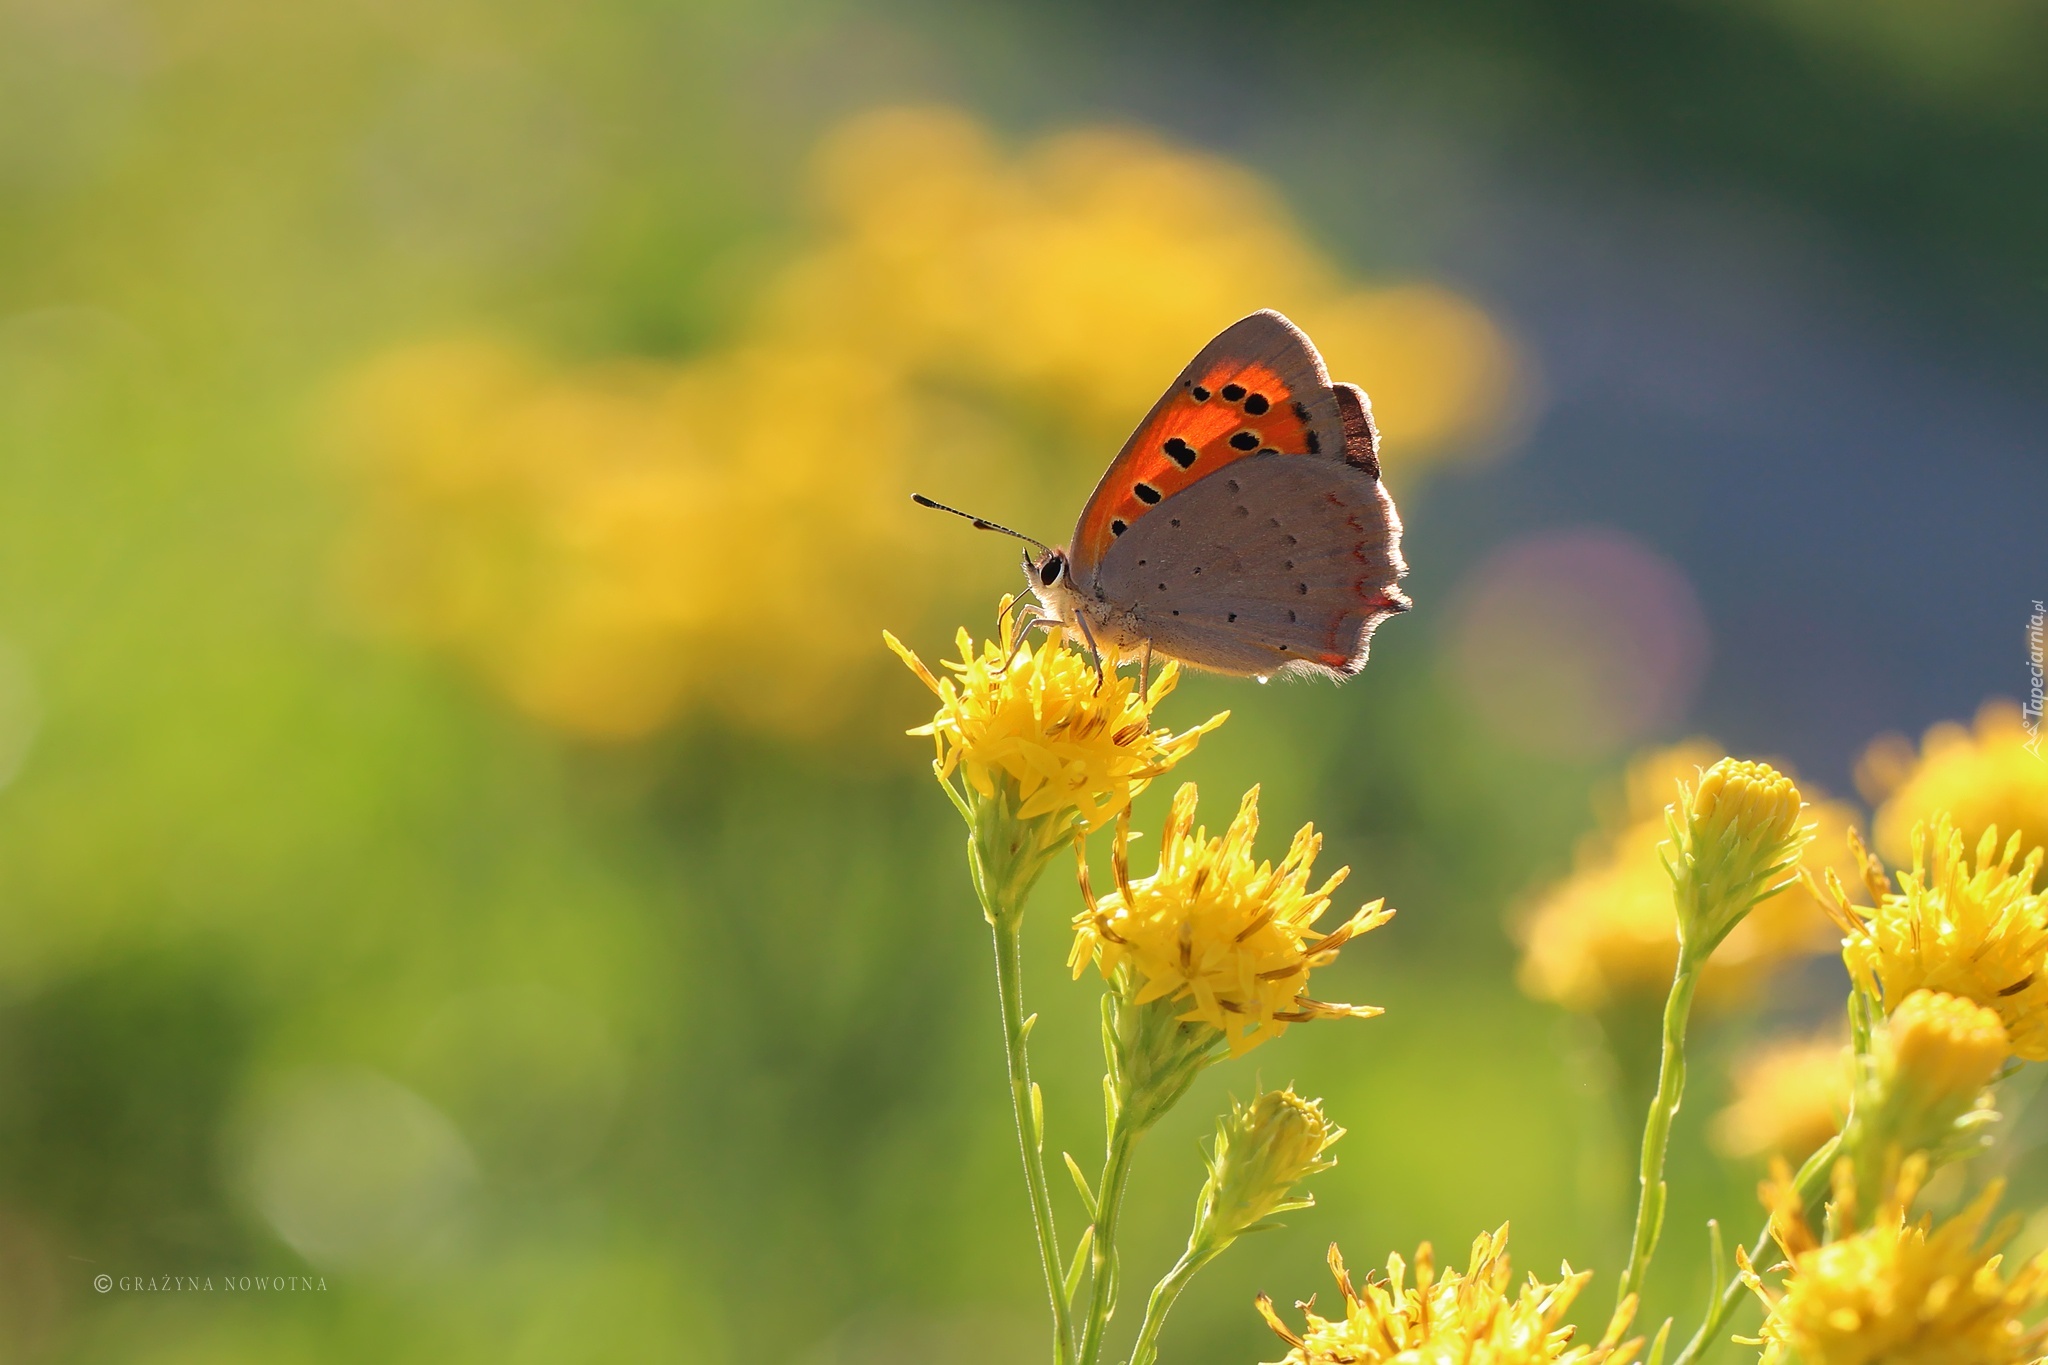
x,y
1902,1293
1944,1049
1978,932
1923,1090
1736,838
1608,932
1229,937
1041,722
1263,1150
1460,1319
1047,747
1790,1096
1982,778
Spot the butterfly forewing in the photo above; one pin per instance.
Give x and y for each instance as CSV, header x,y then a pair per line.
x,y
1258,388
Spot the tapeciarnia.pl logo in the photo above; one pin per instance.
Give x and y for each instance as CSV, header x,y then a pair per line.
x,y
2031,710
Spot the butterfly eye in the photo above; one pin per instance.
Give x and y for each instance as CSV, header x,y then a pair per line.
x,y
1049,572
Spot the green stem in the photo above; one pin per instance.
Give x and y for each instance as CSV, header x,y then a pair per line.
x,y
1811,1178
1116,1171
1161,1303
1657,1126
1009,934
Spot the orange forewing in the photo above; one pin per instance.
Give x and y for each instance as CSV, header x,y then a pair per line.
x,y
1154,462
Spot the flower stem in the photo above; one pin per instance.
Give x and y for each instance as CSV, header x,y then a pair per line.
x,y
1657,1125
1116,1171
1009,936
1161,1303
1809,1182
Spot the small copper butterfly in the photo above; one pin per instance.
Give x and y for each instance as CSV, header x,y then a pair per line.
x,y
1243,528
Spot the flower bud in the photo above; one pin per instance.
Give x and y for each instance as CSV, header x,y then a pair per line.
x,y
1924,1090
1943,1050
1263,1150
1737,837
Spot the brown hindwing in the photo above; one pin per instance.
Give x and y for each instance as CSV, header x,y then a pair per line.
x,y
1277,564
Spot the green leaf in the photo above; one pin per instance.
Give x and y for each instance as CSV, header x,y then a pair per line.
x,y
1073,1281
1081,1184
1657,1346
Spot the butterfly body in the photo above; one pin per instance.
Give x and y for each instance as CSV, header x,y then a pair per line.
x,y
1243,528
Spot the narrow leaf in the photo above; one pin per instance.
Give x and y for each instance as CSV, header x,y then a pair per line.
x,y
1037,1118
1657,1346
1073,1280
1081,1184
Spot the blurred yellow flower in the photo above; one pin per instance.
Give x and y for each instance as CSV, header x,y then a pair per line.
x,y
1231,937
1980,778
1047,746
1978,932
1901,1293
1459,1319
603,541
1608,931
1791,1095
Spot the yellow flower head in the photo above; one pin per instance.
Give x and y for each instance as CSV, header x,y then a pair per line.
x,y
1978,932
1982,777
1263,1150
1608,932
1041,738
1922,1094
1231,937
1790,1096
1460,1319
1944,1049
1902,1293
1736,837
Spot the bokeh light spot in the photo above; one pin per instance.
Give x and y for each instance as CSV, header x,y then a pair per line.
x,y
353,1170
1578,642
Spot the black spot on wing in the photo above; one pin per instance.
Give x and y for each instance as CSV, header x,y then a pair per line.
x,y
1180,452
1147,494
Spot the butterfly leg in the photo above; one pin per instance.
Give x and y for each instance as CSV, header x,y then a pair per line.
x,y
1094,653
1145,672
1025,625
1011,605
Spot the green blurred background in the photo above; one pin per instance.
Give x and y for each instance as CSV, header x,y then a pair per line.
x,y
566,963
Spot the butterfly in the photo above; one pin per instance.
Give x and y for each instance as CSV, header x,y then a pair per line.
x,y
1242,529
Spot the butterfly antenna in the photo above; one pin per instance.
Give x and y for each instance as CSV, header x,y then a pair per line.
x,y
979,523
